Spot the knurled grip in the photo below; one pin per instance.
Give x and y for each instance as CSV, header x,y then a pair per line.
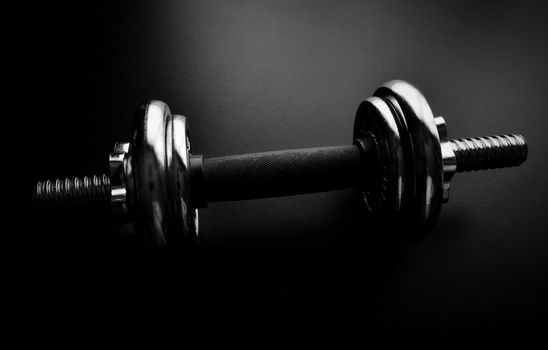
x,y
283,173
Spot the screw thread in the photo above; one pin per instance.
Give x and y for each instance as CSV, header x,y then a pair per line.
x,y
75,191
489,152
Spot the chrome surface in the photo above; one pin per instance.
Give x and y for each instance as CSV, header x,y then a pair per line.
x,y
71,191
448,159
117,161
418,160
157,177
178,158
374,116
424,155
489,152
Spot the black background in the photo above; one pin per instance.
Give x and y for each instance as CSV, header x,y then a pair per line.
x,y
257,76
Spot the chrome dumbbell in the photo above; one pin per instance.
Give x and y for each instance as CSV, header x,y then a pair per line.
x,y
400,159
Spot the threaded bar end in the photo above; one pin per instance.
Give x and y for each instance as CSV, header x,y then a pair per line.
x,y
69,192
489,152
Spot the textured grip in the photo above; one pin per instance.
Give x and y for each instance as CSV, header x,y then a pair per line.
x,y
283,173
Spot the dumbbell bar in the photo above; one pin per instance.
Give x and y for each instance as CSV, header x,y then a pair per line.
x,y
400,159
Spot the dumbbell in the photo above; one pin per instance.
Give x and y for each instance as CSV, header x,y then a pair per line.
x,y
400,160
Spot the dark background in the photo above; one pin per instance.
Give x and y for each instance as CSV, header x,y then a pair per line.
x,y
265,75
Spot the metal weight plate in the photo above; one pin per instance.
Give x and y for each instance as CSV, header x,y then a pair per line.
x,y
375,118
157,178
425,156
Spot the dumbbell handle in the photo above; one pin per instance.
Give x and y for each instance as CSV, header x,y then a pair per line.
x,y
280,173
288,172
